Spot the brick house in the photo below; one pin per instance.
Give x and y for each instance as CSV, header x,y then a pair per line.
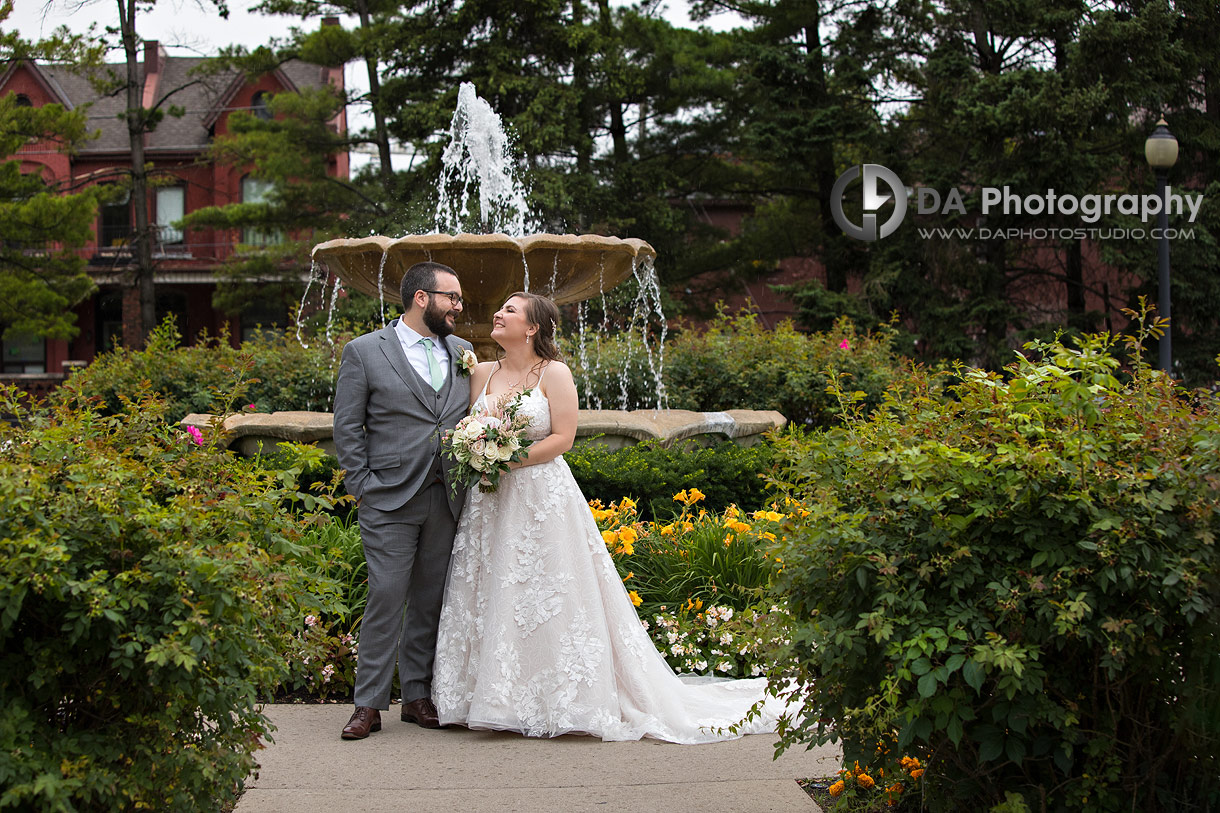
x,y
186,260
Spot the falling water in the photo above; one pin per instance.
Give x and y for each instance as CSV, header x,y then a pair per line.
x,y
314,272
330,310
480,154
380,287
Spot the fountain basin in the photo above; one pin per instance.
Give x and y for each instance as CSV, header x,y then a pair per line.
x,y
566,267
251,434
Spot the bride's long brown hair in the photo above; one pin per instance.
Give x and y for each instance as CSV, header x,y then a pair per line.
x,y
542,312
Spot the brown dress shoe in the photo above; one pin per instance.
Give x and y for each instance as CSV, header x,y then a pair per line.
x,y
364,721
421,712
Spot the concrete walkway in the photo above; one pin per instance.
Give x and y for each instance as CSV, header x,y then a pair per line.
x,y
404,768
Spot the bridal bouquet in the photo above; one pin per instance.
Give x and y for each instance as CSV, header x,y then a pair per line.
x,y
483,444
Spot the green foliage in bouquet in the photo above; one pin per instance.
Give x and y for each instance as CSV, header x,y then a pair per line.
x,y
282,374
737,363
1018,585
651,474
152,586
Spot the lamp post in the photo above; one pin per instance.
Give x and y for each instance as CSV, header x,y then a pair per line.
x,y
1161,150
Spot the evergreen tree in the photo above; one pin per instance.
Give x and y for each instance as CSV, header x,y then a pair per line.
x,y
44,225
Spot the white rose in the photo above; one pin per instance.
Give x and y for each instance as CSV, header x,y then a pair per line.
x,y
478,447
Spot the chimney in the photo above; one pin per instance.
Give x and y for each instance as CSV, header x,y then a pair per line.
x,y
330,21
154,57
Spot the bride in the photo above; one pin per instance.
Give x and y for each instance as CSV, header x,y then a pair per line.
x,y
537,633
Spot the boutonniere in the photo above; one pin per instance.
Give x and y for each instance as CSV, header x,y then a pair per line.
x,y
466,361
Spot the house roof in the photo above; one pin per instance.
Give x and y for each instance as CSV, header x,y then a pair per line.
x,y
205,99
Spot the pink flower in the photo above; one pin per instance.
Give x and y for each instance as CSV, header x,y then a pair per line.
x,y
195,434
845,345
252,407
310,620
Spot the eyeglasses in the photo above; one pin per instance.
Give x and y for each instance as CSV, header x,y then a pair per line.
x,y
454,298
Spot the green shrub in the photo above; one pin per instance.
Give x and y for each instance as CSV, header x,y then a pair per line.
x,y
736,363
152,586
323,660
1019,585
280,374
651,474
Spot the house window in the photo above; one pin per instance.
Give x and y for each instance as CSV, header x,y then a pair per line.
x,y
258,105
23,100
108,330
171,206
255,190
173,302
115,228
24,353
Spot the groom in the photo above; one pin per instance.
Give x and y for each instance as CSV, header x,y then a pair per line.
x,y
399,389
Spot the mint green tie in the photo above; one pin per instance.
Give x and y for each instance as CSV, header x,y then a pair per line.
x,y
434,369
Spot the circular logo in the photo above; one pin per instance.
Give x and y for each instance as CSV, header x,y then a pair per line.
x,y
870,174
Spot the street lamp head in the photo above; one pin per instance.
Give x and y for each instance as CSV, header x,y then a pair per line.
x,y
1161,148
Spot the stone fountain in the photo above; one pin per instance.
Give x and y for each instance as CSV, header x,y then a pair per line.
x,y
511,256
567,268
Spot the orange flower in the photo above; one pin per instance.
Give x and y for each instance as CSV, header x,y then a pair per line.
x,y
628,536
918,772
609,537
865,780
635,598
836,788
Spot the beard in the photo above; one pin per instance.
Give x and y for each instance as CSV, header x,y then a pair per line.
x,y
437,320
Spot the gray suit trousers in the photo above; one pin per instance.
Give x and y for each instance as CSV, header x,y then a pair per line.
x,y
407,550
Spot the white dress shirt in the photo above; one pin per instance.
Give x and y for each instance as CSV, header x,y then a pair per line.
x,y
413,346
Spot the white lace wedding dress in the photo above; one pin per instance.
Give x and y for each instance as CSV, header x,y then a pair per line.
x,y
538,635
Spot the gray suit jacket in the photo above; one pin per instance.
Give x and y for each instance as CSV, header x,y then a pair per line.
x,y
389,421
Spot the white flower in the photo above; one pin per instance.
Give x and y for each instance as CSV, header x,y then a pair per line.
x,y
700,666
310,620
724,666
467,361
